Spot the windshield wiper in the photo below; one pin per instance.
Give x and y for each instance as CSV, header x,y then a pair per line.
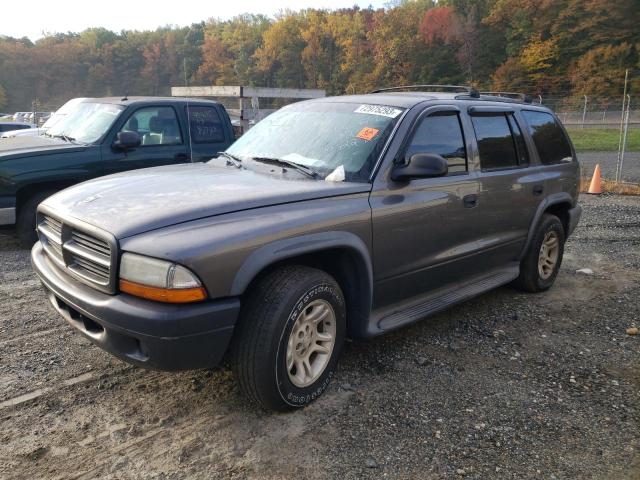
x,y
231,159
64,137
288,163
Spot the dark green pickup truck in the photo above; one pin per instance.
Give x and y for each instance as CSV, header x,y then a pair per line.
x,y
103,136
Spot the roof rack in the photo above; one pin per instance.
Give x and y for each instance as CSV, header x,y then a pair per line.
x,y
523,97
458,88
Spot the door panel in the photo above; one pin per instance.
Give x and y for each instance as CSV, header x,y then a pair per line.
x,y
422,231
509,189
207,132
162,141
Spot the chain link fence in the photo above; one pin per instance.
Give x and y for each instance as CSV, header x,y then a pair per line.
x,y
604,132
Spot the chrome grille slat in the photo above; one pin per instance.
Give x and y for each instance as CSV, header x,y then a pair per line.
x,y
91,243
104,272
83,252
53,224
86,255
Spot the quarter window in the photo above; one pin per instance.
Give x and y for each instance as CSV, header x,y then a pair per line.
x,y
548,137
495,143
205,125
155,125
441,134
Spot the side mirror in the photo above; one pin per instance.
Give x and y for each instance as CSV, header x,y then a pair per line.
x,y
421,165
127,141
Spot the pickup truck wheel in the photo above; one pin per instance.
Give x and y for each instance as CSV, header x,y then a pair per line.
x,y
26,222
289,338
539,268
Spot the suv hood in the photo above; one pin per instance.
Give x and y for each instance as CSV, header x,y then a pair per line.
x,y
134,202
29,146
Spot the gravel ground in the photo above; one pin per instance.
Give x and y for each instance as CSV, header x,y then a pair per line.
x,y
608,161
508,385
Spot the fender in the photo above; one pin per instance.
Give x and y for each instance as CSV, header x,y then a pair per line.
x,y
359,289
295,246
554,199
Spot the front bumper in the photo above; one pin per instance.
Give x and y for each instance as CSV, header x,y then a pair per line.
x,y
149,334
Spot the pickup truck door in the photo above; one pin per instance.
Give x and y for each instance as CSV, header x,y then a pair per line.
x,y
423,229
163,141
209,130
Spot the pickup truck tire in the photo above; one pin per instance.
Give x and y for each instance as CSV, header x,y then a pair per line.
x,y
539,268
26,222
294,316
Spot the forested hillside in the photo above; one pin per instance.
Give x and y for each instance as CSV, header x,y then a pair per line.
x,y
561,47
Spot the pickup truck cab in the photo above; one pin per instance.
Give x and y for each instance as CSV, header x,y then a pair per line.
x,y
342,216
101,136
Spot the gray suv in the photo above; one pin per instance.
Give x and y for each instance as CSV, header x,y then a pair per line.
x,y
339,217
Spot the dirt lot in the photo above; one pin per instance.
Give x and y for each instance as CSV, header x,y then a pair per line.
x,y
508,385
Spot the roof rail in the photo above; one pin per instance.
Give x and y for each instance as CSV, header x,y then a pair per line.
x,y
464,88
523,97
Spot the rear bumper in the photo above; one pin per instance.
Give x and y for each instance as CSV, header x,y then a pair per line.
x,y
574,217
149,334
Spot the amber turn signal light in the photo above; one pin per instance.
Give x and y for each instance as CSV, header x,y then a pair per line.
x,y
177,295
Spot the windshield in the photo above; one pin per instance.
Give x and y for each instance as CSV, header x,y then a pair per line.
x,y
87,123
62,112
327,137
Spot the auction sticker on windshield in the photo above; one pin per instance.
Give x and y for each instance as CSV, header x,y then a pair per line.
x,y
378,110
367,133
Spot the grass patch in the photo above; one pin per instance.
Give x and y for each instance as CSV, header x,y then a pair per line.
x,y
603,139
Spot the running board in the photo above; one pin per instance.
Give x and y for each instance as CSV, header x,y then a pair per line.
x,y
444,298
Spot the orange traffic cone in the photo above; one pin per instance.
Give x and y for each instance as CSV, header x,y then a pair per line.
x,y
595,187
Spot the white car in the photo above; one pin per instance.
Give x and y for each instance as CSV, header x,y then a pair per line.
x,y
61,113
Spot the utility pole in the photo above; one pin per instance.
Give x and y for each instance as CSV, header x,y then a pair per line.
x,y
184,67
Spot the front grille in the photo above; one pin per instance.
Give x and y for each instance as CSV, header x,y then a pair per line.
x,y
85,252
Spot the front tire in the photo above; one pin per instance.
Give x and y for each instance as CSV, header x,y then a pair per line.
x,y
540,266
26,221
289,337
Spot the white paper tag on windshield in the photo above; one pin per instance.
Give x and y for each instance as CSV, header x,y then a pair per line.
x,y
337,175
378,110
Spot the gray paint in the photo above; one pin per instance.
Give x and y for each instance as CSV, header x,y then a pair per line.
x,y
416,247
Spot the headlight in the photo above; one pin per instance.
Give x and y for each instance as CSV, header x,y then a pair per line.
x,y
159,280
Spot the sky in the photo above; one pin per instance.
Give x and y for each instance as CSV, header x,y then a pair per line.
x,y
30,18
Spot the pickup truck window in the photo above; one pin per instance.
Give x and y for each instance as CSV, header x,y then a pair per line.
x,y
495,142
205,125
441,134
550,140
323,136
87,123
155,125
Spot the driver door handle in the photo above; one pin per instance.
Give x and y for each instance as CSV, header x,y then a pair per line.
x,y
470,201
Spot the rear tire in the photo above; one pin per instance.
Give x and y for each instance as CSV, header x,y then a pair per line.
x,y
26,222
540,266
289,337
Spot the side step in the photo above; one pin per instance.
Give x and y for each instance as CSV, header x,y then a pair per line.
x,y
444,298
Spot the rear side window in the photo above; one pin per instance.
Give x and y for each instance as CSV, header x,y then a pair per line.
x,y
496,145
441,134
205,125
548,137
